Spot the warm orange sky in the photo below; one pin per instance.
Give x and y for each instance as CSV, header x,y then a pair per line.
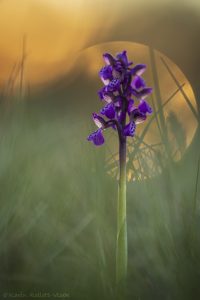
x,y
56,30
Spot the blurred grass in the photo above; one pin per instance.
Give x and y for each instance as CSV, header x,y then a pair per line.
x,y
58,215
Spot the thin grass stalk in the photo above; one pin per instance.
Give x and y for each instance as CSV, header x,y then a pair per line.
x,y
181,89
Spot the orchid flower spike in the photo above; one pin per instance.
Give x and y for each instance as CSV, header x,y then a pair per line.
x,y
123,92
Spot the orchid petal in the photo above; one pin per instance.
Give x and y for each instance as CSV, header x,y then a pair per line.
x,y
138,82
108,111
109,59
129,129
142,94
98,120
144,107
96,137
138,69
106,74
113,85
137,116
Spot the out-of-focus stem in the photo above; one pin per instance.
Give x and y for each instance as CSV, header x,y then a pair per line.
x,y
121,251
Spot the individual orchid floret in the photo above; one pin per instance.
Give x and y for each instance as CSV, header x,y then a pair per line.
x,y
105,95
113,85
137,116
109,59
138,69
138,83
96,137
129,129
108,111
99,121
106,74
122,57
144,107
142,94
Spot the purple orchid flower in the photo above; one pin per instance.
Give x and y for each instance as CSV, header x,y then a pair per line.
x,y
96,137
123,89
124,92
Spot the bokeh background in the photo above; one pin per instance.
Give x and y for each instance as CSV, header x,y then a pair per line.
x,y
58,193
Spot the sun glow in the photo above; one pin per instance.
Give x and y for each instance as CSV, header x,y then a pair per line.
x,y
55,31
173,100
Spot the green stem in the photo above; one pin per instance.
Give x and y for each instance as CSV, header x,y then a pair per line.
x,y
121,253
